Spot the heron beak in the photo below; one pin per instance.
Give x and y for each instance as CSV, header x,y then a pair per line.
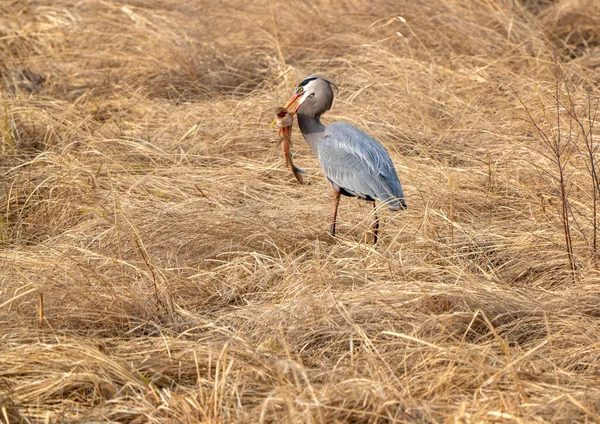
x,y
291,102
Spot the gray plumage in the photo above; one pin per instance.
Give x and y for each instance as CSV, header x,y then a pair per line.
x,y
356,164
359,165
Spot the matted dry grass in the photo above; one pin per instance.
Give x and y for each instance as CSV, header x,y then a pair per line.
x,y
158,262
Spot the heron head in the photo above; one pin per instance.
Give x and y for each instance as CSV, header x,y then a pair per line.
x,y
313,96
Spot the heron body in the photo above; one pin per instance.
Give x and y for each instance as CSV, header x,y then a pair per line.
x,y
355,163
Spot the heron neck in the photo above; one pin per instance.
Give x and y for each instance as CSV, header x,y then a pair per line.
x,y
312,129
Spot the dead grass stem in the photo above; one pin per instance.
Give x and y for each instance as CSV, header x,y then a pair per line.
x,y
158,262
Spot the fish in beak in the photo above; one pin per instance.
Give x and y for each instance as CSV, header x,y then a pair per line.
x,y
289,104
283,119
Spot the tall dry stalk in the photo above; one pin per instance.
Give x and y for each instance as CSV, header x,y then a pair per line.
x,y
562,154
559,151
589,117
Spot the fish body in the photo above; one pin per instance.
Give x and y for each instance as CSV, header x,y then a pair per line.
x,y
284,121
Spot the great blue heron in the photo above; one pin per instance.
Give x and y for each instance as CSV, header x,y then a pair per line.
x,y
354,163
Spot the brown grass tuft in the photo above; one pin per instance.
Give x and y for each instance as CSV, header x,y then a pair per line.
x,y
159,263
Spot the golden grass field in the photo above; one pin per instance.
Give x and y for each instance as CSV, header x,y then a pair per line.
x,y
159,263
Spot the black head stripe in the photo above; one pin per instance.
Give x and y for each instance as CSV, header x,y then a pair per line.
x,y
309,79
306,81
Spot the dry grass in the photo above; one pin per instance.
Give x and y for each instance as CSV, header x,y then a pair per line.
x,y
159,263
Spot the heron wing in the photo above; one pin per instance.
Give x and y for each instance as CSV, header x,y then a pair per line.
x,y
359,165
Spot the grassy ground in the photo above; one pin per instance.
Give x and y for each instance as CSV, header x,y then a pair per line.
x,y
159,263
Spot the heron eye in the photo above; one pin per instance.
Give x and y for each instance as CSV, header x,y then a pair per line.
x,y
299,90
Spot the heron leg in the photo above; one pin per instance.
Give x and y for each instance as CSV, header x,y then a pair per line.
x,y
375,226
337,193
